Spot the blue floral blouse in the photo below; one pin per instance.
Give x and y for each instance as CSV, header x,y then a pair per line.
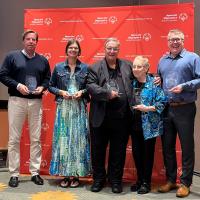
x,y
151,95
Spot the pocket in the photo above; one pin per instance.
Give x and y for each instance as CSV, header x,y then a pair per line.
x,y
81,79
62,79
82,76
62,74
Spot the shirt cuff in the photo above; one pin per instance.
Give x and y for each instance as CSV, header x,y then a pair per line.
x,y
18,86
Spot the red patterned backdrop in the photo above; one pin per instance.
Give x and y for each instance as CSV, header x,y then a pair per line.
x,y
142,30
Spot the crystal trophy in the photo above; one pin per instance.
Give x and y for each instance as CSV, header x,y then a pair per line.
x,y
31,83
112,85
72,87
137,95
170,82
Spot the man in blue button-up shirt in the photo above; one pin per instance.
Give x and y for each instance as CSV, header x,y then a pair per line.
x,y
180,74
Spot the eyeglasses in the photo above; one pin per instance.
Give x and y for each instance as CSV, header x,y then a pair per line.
x,y
137,67
75,48
112,48
172,40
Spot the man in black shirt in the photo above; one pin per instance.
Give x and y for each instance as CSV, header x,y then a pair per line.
x,y
109,84
26,74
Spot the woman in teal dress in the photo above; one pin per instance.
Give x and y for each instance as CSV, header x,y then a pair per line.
x,y
70,148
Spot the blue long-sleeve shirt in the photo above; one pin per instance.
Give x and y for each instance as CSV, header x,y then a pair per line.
x,y
182,70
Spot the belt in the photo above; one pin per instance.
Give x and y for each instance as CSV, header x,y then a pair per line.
x,y
178,103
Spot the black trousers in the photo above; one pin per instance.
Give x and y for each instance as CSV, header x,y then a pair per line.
x,y
179,120
114,132
143,154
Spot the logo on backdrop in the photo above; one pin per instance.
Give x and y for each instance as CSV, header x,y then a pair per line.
x,y
41,21
71,21
45,126
27,163
47,21
183,17
112,19
175,17
80,38
139,18
179,171
66,38
98,56
43,163
146,37
134,37
170,18
137,37
106,20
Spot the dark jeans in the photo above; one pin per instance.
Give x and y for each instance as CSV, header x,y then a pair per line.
x,y
114,132
179,119
143,154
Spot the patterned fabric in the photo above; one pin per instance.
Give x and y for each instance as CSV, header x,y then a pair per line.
x,y
71,148
152,95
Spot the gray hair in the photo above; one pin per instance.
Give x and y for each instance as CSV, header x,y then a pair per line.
x,y
112,39
176,32
142,60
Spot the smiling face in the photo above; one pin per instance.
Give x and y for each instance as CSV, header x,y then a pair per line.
x,y
73,50
30,43
175,42
112,50
140,67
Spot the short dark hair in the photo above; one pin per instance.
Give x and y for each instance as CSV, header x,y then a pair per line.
x,y
25,33
72,41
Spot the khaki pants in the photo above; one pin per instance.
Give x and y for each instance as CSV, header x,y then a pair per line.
x,y
18,110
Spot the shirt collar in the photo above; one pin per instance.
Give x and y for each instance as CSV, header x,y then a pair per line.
x,y
181,54
117,64
24,52
78,63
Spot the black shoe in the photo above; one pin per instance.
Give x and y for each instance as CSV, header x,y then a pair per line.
x,y
37,180
136,186
97,186
144,188
13,181
116,188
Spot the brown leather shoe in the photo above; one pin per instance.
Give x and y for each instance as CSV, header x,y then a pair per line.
x,y
183,191
167,187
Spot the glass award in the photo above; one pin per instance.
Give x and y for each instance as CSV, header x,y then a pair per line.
x,y
170,81
72,87
31,83
112,85
72,91
137,96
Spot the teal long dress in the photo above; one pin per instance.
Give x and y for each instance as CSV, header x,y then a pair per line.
x,y
71,147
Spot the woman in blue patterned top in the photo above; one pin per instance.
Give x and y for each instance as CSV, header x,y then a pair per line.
x,y
70,148
148,123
